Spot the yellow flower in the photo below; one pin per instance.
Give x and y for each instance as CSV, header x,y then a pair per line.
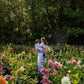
x,y
66,52
23,53
12,78
69,71
19,71
74,67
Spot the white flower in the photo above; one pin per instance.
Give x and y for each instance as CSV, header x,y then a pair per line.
x,y
65,80
83,65
65,67
79,61
19,54
22,69
68,62
49,49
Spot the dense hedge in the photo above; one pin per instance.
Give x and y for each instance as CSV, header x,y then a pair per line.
x,y
22,21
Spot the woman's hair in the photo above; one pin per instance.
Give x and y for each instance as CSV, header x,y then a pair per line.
x,y
36,41
45,42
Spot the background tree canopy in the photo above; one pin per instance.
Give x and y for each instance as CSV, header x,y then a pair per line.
x,y
22,21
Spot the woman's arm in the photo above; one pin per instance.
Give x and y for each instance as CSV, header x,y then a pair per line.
x,y
42,47
38,50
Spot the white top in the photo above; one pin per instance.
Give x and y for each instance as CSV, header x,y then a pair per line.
x,y
43,45
37,46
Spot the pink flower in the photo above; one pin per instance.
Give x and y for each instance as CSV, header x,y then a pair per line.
x,y
74,62
45,80
10,49
2,57
9,68
3,70
8,77
1,66
58,65
54,72
50,62
44,71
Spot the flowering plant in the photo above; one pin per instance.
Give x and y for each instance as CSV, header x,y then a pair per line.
x,y
47,49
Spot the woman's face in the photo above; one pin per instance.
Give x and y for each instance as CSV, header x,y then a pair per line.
x,y
41,40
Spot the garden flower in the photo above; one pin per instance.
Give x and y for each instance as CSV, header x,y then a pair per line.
x,y
23,53
44,71
3,71
10,61
66,52
2,80
55,59
19,71
65,80
74,62
10,49
50,62
69,71
1,66
22,69
65,67
80,49
45,80
79,62
9,68
67,62
7,77
58,65
33,49
74,67
10,56
12,78
48,48
83,65
54,72
2,57
19,54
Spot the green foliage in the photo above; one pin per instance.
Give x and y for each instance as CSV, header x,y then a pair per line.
x,y
31,19
24,71
75,31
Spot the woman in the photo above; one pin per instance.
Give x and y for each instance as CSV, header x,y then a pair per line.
x,y
43,43
40,54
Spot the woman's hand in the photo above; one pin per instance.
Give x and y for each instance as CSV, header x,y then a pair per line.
x,y
42,47
38,50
